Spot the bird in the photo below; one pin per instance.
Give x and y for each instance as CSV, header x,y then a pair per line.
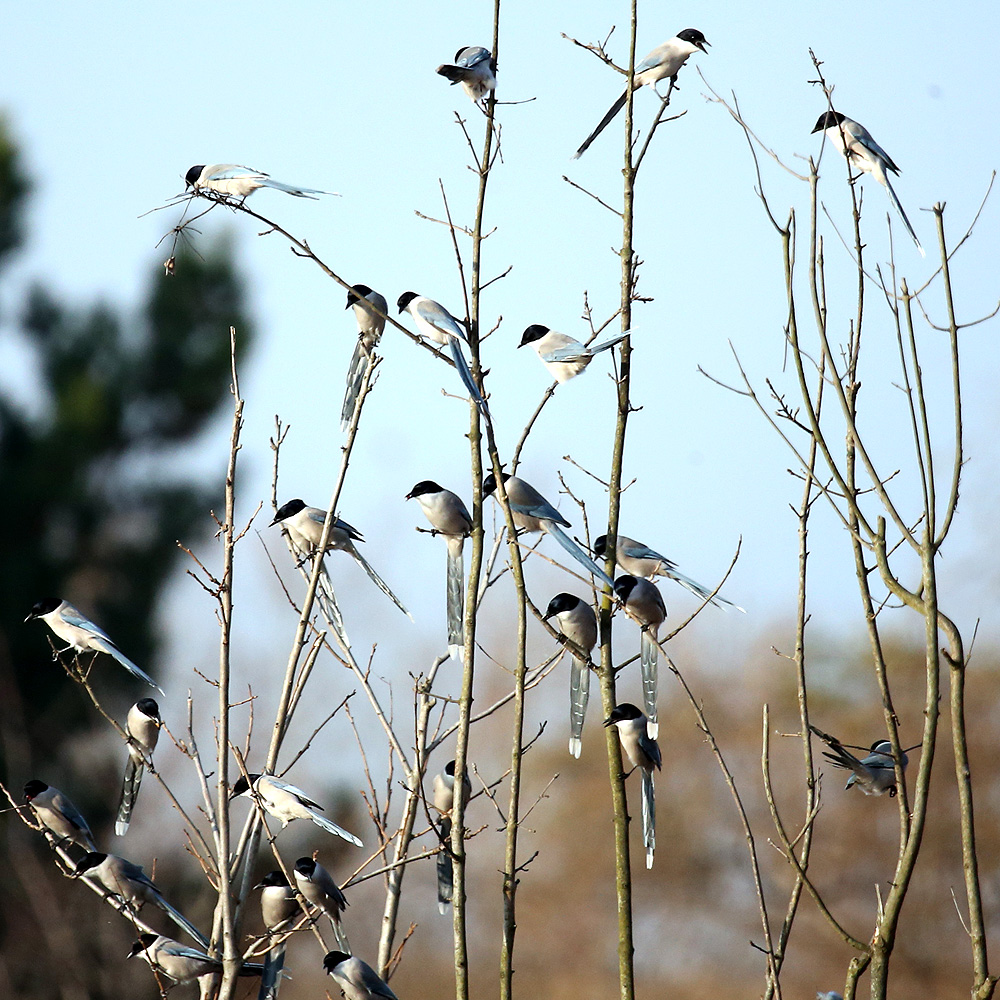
x,y
831,995
874,774
370,310
532,512
564,356
663,62
854,142
56,813
474,68
444,802
641,561
450,517
319,888
356,979
438,325
143,727
179,962
278,906
232,180
81,634
644,603
286,802
305,528
128,880
644,753
578,623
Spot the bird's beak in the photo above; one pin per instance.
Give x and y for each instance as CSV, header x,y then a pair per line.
x,y
608,722
701,45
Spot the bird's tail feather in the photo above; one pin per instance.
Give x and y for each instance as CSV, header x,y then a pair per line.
x,y
648,657
902,215
341,937
178,918
466,375
338,831
698,589
130,666
378,581
579,695
355,376
270,978
454,73
455,597
605,121
577,553
331,611
298,192
648,817
606,344
130,792
445,874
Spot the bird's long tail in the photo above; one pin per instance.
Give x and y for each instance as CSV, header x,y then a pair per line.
x,y
698,589
648,657
355,376
331,611
113,650
378,581
338,831
466,375
577,553
606,344
579,695
270,978
445,875
456,74
178,918
341,937
604,122
298,192
902,215
130,792
648,816
455,597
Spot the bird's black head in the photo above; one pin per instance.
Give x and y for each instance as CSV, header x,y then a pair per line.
x,y
561,602
33,788
305,867
458,54
149,708
333,959
90,860
490,482
532,333
43,607
273,878
287,510
193,174
828,119
626,711
143,942
424,487
695,37
405,299
449,769
242,785
356,294
600,545
882,746
624,586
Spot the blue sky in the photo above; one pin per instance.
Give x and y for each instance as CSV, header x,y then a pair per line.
x,y
112,103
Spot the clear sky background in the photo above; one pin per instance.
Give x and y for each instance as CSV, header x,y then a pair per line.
x,y
111,103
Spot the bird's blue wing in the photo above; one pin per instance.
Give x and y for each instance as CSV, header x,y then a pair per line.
x,y
293,790
439,317
75,618
651,749
227,171
73,815
865,139
182,951
568,352
636,550
473,56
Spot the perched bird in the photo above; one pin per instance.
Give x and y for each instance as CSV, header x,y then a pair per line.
x,y
663,62
237,182
449,517
286,802
532,512
578,623
874,774
439,326
143,728
319,888
56,813
371,323
178,962
854,142
641,561
356,979
125,879
561,354
644,603
831,995
644,753
278,907
81,634
475,69
305,528
444,802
